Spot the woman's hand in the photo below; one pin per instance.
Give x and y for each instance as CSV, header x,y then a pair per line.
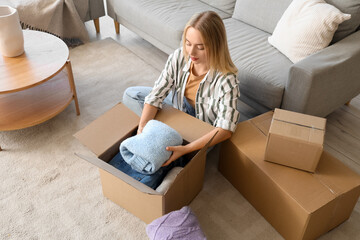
x,y
147,114
140,128
199,143
178,151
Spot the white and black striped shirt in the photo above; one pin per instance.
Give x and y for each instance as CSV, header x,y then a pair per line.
x,y
216,98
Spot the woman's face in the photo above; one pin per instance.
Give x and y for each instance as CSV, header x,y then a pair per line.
x,y
195,46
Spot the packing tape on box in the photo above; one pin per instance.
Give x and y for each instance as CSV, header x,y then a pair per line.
x,y
298,124
332,190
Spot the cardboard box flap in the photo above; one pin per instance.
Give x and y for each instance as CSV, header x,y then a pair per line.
x,y
263,122
108,129
300,119
119,174
316,191
198,155
205,148
179,189
190,128
187,183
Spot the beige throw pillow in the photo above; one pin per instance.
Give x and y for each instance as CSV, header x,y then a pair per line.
x,y
306,27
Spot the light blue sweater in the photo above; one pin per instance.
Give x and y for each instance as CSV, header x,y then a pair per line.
x,y
146,152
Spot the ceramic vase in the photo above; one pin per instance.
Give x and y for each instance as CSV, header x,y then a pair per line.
x,y
11,35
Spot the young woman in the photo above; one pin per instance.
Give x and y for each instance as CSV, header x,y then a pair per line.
x,y
199,78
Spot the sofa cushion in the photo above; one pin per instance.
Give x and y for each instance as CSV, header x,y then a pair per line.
x,y
346,28
265,14
263,70
224,5
306,27
262,14
162,19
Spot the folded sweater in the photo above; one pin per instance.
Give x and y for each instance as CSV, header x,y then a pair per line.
x,y
146,152
181,224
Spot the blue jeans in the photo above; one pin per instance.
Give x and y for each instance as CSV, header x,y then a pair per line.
x,y
151,180
134,98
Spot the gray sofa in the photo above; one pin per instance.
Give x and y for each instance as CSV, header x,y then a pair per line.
x,y
317,85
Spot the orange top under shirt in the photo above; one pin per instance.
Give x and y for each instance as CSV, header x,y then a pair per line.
x,y
192,86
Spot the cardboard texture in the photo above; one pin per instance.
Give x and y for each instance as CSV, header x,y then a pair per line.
x,y
301,135
298,204
103,137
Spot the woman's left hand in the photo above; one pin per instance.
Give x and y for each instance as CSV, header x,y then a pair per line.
x,y
199,143
178,151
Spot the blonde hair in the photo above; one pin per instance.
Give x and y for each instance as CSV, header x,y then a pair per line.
x,y
212,30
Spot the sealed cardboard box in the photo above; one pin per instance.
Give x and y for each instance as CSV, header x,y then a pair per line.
x,y
295,140
103,137
298,204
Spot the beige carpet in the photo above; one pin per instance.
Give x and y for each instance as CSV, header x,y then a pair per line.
x,y
49,193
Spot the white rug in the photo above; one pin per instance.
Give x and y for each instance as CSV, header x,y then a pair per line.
x,y
46,192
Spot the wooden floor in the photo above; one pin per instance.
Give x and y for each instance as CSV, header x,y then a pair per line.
x,y
342,137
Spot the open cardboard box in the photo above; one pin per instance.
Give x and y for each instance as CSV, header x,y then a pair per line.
x,y
300,134
298,204
103,137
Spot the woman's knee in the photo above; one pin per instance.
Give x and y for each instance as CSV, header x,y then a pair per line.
x,y
134,98
129,93
136,93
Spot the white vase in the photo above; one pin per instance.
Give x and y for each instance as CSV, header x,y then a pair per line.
x,y
11,35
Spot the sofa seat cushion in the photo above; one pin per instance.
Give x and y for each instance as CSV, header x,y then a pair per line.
x,y
162,19
263,70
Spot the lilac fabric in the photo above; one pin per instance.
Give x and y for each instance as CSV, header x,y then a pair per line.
x,y
180,224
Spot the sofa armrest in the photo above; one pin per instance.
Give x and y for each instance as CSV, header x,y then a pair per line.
x,y
324,81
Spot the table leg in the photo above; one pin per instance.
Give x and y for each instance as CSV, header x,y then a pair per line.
x,y
117,27
72,85
97,25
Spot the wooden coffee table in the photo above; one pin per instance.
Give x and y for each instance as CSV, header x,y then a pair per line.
x,y
36,85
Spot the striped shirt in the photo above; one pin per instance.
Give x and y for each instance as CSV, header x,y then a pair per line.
x,y
216,98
